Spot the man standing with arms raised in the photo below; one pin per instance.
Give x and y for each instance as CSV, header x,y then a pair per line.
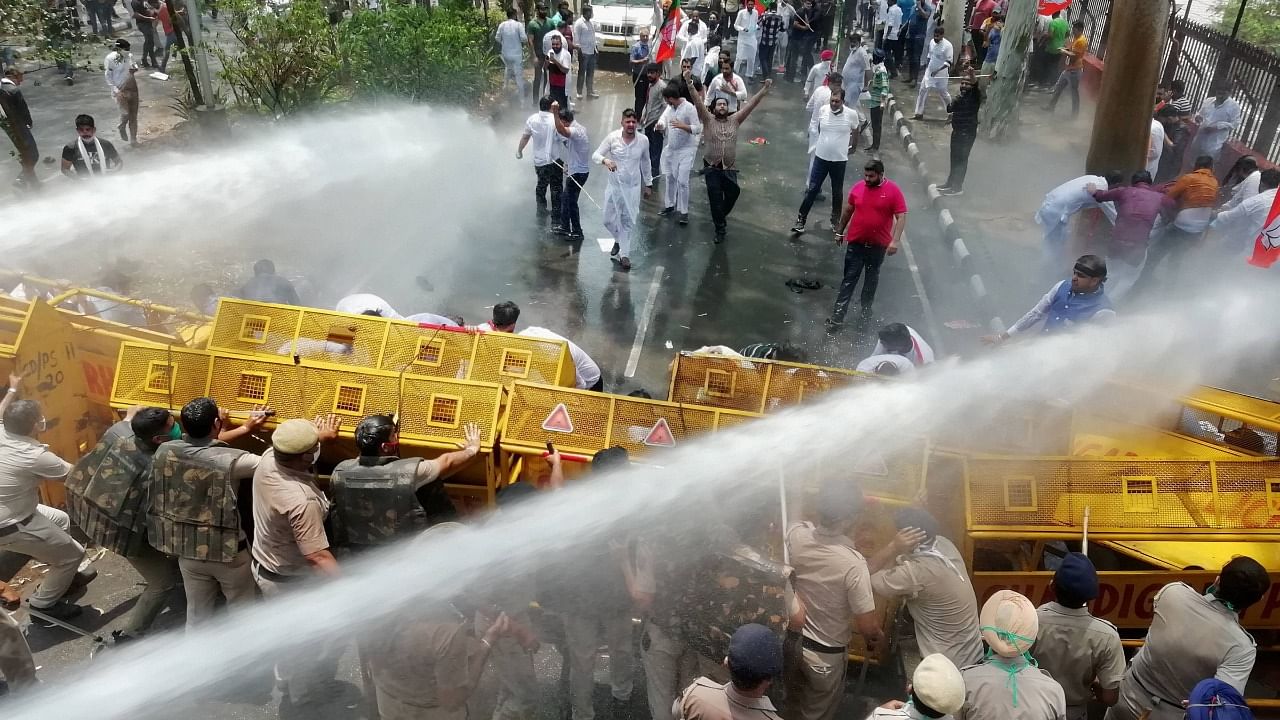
x,y
719,159
625,154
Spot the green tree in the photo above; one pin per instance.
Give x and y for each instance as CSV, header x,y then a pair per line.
x,y
1261,22
287,61
420,53
46,25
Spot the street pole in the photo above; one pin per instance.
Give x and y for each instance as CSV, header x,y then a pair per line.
x,y
200,52
1122,122
953,24
192,77
1000,112
1235,29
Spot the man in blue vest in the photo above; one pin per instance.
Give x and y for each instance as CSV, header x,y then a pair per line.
x,y
1070,302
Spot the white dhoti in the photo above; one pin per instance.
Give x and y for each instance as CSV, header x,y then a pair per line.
x,y
745,63
936,85
621,209
676,166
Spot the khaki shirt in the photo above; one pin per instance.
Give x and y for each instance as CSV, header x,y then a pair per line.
x,y
709,700
1192,637
415,658
940,598
989,694
832,581
288,517
1076,648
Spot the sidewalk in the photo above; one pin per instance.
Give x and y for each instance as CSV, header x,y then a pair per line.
x,y
1000,243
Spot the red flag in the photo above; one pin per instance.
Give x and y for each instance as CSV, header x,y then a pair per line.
x,y
1049,7
760,8
1266,248
667,33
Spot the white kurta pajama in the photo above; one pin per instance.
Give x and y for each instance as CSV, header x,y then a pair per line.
x,y
935,74
678,152
622,195
748,26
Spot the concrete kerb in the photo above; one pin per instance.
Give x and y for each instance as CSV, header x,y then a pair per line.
x,y
950,230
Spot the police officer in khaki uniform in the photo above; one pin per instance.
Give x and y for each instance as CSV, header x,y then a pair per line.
x,y
1008,685
1082,652
834,585
195,513
380,497
1193,637
106,495
936,691
927,571
755,658
17,667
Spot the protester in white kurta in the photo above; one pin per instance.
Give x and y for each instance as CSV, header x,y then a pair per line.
x,y
681,126
748,26
1155,147
1237,229
1218,116
625,154
511,39
935,73
1057,208
1245,189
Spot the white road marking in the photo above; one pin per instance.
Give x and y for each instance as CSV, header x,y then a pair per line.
x,y
642,327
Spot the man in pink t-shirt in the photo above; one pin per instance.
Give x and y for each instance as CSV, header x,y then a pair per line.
x,y
875,215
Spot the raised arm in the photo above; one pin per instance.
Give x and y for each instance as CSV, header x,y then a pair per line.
x,y
745,111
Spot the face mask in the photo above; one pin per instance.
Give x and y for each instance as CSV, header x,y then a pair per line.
x,y
175,432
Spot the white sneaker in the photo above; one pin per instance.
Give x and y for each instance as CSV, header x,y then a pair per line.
x,y
577,96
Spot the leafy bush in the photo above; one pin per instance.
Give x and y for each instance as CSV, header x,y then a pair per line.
x,y
441,55
287,61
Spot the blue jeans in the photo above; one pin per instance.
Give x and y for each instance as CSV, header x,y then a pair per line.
x,y
570,219
821,170
1068,78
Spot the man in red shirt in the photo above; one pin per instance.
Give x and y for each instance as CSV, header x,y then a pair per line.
x,y
981,11
875,215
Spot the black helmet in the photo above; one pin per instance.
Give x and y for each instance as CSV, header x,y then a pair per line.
x,y
373,432
877,56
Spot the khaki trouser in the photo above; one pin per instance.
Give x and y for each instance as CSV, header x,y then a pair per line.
x,y
16,664
1134,700
160,573
670,665
308,669
582,637
45,537
389,708
204,579
513,665
814,681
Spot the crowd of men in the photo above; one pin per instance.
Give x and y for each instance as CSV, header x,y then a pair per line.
x,y
182,498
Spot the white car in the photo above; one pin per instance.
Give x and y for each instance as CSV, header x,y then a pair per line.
x,y
618,23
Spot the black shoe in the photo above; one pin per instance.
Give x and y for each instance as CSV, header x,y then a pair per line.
x,y
123,134
614,251
83,578
951,192
684,218
832,325
719,238
917,117
575,235
667,212
70,80
798,228
120,637
61,610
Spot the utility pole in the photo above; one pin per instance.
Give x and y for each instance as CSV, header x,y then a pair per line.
x,y
953,24
200,52
1122,123
1000,111
192,77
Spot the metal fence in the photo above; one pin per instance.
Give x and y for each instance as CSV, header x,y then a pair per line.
x,y
1094,13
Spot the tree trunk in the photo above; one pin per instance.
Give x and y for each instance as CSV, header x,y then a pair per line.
x,y
1000,112
1122,122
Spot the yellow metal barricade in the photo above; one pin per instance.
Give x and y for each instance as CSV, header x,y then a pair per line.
x,y
1212,499
751,385
315,336
433,412
581,423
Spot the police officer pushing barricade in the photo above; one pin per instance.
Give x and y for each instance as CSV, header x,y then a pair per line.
x,y
1193,636
195,512
926,570
1082,652
936,691
754,660
1008,685
379,497
107,496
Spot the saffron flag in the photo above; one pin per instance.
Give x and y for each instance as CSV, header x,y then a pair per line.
x,y
667,33
1266,248
1049,7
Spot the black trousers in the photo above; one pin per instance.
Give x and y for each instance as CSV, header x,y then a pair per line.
x,y
570,218
800,52
655,147
877,117
765,54
559,93
961,146
722,194
823,169
857,258
550,176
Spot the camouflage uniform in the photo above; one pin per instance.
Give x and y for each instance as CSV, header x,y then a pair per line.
x,y
107,493
375,504
699,600
16,663
194,515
